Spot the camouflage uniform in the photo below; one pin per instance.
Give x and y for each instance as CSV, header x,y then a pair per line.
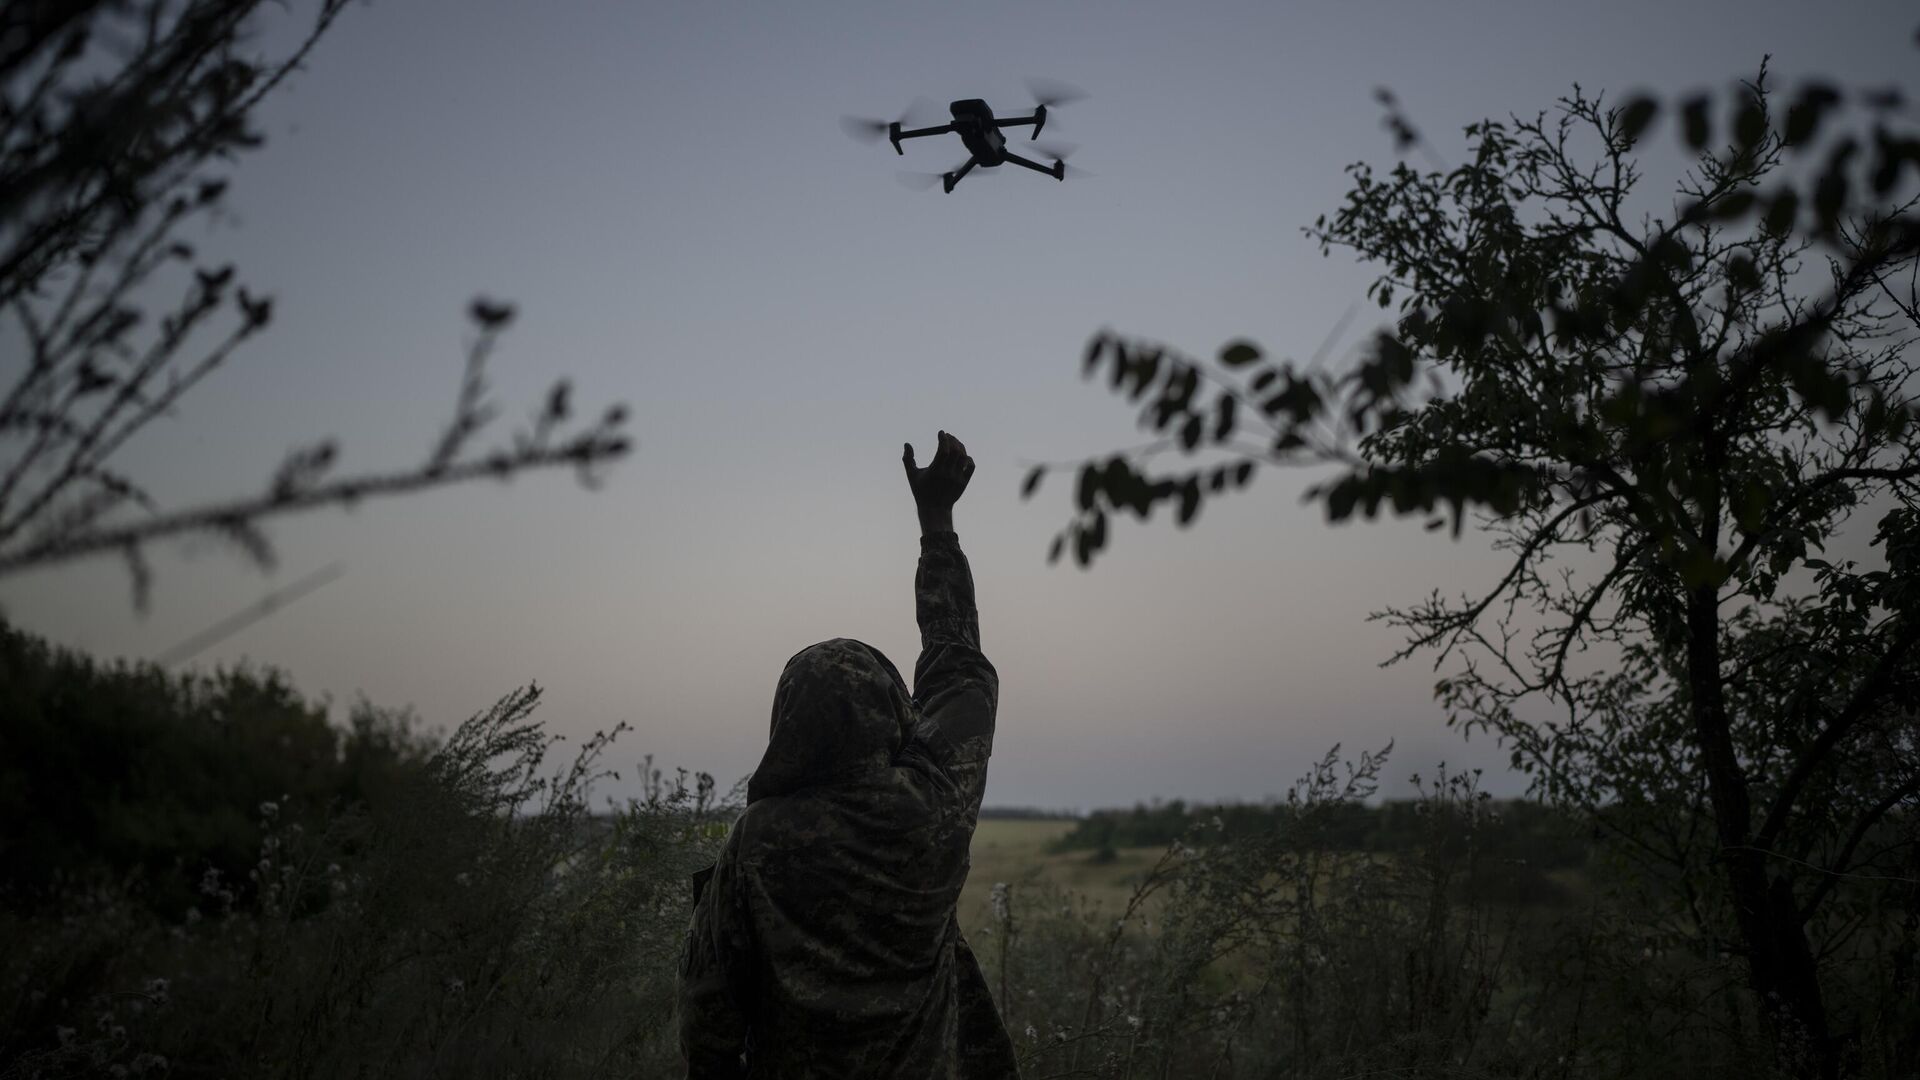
x,y
824,942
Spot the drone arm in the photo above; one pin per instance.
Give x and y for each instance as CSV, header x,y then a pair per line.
x,y
1038,120
894,134
1055,171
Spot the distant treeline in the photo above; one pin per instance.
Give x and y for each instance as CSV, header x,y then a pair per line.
x,y
1027,813
1515,829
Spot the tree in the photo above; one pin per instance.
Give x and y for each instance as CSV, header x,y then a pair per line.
x,y
1662,418
118,120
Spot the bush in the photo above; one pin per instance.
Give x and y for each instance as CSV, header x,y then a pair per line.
x,y
454,909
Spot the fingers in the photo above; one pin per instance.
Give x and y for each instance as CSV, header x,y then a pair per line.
x,y
951,454
906,459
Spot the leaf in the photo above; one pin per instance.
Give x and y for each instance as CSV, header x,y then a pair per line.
x,y
1782,211
1890,154
1144,368
1089,486
1733,205
1239,354
1750,127
1636,116
1091,361
1096,533
1225,412
1341,499
1032,483
1695,122
1054,550
1189,502
1190,432
1830,193
1804,115
1741,273
489,314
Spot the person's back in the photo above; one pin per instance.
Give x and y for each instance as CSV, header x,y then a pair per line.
x,y
824,940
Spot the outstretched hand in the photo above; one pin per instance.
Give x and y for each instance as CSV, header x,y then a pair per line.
x,y
940,484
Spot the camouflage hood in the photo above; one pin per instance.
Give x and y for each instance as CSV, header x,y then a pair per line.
x,y
840,711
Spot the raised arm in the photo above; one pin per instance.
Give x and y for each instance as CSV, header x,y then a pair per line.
x,y
954,686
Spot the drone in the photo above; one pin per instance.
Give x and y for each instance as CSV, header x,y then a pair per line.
x,y
980,130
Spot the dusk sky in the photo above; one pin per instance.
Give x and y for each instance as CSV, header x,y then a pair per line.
x,y
665,193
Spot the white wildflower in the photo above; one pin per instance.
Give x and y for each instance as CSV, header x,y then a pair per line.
x,y
269,808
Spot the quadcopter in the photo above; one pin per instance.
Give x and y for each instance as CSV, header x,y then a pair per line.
x,y
980,130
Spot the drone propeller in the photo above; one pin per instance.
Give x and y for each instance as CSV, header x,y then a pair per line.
x,y
1061,152
918,181
1053,92
870,130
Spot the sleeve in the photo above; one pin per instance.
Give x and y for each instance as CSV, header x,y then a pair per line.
x,y
713,993
955,688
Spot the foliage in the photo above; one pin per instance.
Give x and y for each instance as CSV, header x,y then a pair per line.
x,y
118,120
464,914
1281,953
125,773
1661,418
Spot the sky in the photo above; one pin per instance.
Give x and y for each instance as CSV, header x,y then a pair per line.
x,y
664,192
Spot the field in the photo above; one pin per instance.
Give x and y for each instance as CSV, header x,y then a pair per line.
x,y
1014,850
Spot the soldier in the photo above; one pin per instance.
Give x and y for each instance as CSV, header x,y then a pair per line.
x,y
824,940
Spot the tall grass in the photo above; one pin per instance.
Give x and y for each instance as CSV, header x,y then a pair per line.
x,y
471,913
471,918
1282,954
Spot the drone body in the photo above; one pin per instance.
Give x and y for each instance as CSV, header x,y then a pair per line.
x,y
980,131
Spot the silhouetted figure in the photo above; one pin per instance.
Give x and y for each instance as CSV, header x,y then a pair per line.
x,y
824,940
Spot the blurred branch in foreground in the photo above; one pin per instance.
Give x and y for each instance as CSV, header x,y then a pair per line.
x,y
114,121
